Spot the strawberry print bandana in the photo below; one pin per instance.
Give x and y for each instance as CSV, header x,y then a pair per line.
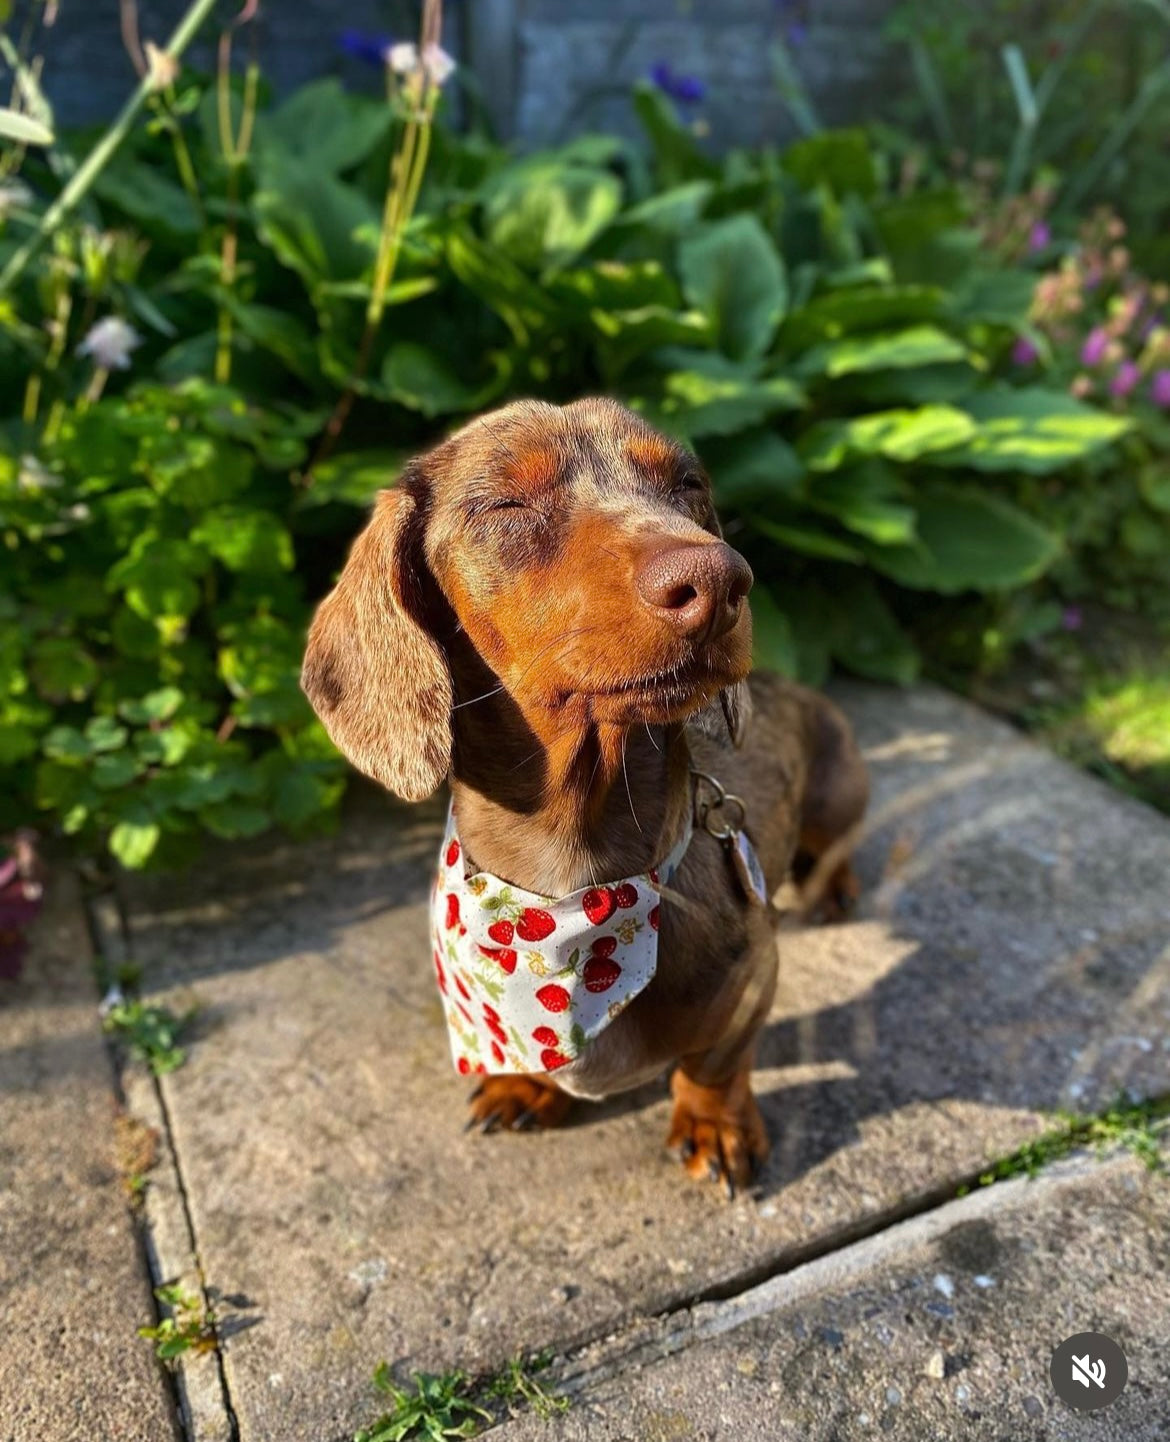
x,y
528,981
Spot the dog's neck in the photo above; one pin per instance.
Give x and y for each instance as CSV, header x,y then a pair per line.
x,y
553,801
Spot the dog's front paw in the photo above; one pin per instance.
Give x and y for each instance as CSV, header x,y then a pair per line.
x,y
717,1133
517,1103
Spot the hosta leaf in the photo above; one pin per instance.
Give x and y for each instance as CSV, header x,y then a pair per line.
x,y
867,498
796,535
752,466
915,346
421,378
732,271
968,540
1031,430
544,213
900,435
773,647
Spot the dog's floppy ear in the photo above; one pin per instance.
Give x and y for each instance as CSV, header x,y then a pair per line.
x,y
373,672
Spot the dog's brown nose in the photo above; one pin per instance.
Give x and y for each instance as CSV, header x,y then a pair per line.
x,y
698,589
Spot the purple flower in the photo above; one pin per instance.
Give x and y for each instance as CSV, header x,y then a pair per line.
x,y
1024,353
1160,389
1040,236
1072,618
1125,380
794,17
685,89
368,48
1095,346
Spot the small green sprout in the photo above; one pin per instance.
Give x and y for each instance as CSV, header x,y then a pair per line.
x,y
516,1382
189,1328
149,1032
438,1408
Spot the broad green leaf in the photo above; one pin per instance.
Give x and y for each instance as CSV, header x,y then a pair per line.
x,y
318,226
868,498
674,212
718,400
626,335
420,378
145,194
115,771
968,540
899,435
104,733
158,705
520,303
795,535
353,478
917,346
543,213
134,842
324,127
234,818
157,578
61,669
732,272
836,314
840,159
677,157
66,743
245,540
1031,430
773,648
752,467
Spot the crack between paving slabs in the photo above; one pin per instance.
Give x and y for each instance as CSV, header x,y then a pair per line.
x,y
102,931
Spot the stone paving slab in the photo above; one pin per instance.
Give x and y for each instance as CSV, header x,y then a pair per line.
x,y
1010,955
73,1285
938,1328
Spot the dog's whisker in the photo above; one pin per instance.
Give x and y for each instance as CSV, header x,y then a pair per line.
x,y
626,777
459,705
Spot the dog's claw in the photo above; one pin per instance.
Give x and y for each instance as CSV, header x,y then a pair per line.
x,y
729,1188
714,1170
686,1149
524,1120
490,1123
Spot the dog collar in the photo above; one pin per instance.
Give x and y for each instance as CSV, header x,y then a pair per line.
x,y
528,981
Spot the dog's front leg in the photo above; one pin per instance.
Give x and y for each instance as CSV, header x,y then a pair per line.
x,y
516,1102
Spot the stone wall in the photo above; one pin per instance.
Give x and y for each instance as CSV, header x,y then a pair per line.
x,y
545,66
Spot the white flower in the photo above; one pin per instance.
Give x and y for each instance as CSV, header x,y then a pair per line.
x,y
437,65
14,195
110,342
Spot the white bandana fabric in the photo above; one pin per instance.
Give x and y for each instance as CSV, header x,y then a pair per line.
x,y
528,981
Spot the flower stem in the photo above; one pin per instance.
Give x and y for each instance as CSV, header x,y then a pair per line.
x,y
99,157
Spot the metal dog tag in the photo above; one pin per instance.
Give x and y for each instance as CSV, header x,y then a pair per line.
x,y
746,865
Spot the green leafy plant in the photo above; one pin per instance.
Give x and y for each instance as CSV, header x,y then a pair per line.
x,y
517,1384
176,491
1136,1127
189,1327
437,1408
150,1033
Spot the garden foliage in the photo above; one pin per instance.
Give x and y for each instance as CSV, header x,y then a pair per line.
x,y
837,349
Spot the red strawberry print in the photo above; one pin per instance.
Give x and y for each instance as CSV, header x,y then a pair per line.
x,y
439,972
535,925
653,875
546,1036
600,973
467,1016
464,1066
550,1059
452,911
626,895
460,988
653,919
501,954
497,1031
453,853
498,1052
501,931
604,946
480,1069
598,904
553,998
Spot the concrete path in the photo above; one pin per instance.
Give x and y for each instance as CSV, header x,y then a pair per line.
x,y
73,1284
1010,956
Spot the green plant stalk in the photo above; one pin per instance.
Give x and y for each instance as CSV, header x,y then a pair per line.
x,y
100,156
1153,88
234,147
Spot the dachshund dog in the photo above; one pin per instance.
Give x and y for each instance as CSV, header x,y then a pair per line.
x,y
544,612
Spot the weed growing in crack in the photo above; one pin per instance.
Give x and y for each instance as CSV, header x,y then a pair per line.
x,y
516,1384
439,1407
452,1405
1137,1127
189,1328
150,1033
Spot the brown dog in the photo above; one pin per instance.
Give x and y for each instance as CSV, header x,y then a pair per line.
x,y
543,610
